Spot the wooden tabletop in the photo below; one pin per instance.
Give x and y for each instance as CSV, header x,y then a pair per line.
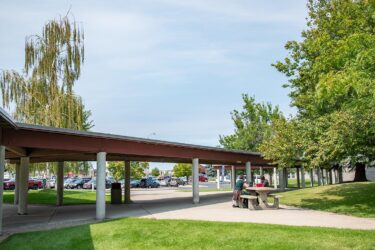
x,y
260,189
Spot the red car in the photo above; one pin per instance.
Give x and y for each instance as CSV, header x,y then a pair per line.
x,y
203,178
33,184
9,184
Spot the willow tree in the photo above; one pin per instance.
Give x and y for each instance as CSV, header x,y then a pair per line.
x,y
43,93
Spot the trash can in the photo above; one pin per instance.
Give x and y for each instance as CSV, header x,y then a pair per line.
x,y
116,193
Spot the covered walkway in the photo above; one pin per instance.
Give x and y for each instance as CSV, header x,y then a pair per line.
x,y
23,144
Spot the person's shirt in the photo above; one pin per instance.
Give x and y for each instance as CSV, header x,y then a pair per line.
x,y
239,184
266,183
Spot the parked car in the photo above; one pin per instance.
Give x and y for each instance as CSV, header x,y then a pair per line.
x,y
78,183
184,179
203,178
9,184
149,182
134,183
51,183
35,184
88,185
175,182
68,181
164,181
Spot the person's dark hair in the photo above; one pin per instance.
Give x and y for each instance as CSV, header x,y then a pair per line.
x,y
262,178
241,177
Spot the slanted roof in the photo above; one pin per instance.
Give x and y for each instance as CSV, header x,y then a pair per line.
x,y
6,121
43,144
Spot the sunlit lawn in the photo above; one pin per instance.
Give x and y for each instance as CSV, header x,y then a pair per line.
x,y
132,233
48,197
293,183
356,199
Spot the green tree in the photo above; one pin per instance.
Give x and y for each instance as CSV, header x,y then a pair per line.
x,y
137,169
155,172
182,170
210,171
253,125
285,147
332,78
117,169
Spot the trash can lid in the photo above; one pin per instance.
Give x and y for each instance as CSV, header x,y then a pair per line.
x,y
116,185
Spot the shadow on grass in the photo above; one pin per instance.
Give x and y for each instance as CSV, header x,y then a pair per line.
x,y
353,198
48,197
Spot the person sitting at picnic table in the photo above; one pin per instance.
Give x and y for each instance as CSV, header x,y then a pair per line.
x,y
237,191
264,181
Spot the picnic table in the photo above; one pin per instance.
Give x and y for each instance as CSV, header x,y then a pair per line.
x,y
263,196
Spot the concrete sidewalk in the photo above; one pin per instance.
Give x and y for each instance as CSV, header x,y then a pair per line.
x,y
175,205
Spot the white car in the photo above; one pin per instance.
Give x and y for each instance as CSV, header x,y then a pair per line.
x,y
163,182
51,183
226,179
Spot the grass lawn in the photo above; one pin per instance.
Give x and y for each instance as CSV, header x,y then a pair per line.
x,y
132,233
293,183
48,197
357,199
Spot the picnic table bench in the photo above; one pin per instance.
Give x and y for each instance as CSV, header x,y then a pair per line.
x,y
252,201
263,193
276,198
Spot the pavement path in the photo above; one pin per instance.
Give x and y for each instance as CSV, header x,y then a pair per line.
x,y
169,204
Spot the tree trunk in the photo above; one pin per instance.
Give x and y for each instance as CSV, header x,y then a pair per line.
x,y
360,172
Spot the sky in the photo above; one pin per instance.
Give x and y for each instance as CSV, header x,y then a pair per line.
x,y
167,69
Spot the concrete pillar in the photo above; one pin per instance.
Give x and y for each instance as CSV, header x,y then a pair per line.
x,y
312,178
232,178
248,172
60,184
100,185
17,184
298,178
261,171
218,178
127,183
195,180
222,173
275,178
303,177
2,168
24,185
